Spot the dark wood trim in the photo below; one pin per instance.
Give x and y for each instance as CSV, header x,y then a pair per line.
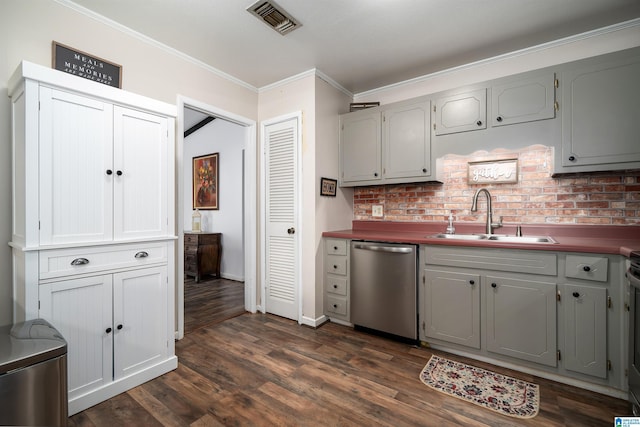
x,y
198,125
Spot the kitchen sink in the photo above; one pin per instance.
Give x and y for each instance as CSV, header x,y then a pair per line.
x,y
521,239
496,238
461,236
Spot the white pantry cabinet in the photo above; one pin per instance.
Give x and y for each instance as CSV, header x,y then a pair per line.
x,y
93,227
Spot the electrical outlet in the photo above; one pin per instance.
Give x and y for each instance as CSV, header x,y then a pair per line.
x,y
377,211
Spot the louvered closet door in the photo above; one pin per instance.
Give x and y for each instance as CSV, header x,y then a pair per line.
x,y
282,288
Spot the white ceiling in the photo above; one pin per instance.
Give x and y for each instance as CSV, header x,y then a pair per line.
x,y
361,44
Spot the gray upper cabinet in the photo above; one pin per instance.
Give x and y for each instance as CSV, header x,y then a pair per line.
x,y
523,100
461,112
360,148
600,114
406,141
386,145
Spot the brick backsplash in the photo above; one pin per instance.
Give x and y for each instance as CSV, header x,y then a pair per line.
x,y
611,198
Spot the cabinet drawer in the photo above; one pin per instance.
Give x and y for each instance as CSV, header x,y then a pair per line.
x,y
202,239
336,264
517,261
587,267
337,305
336,247
73,261
336,285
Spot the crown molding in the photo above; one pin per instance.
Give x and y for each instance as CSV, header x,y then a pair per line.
x,y
126,30
544,46
312,72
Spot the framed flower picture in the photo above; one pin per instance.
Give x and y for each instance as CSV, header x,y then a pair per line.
x,y
205,182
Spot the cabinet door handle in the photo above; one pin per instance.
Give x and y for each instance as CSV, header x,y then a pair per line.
x,y
572,158
499,118
80,261
335,305
472,282
335,286
119,173
479,122
494,285
424,170
586,268
576,294
142,254
119,327
108,330
291,230
109,172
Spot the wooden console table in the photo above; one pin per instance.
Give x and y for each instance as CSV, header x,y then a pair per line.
x,y
202,253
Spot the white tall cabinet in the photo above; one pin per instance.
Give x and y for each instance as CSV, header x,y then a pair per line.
x,y
93,231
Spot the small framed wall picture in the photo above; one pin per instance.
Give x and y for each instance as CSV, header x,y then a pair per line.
x,y
328,187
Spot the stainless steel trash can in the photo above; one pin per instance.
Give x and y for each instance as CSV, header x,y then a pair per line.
x,y
33,375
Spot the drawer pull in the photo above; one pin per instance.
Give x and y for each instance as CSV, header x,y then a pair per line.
x,y
335,286
586,268
335,248
472,282
142,254
494,285
335,305
576,295
335,267
80,261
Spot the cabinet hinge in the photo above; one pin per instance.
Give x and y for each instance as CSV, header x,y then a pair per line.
x,y
424,280
626,372
38,225
609,302
38,305
424,326
434,126
556,83
434,108
556,106
608,365
342,127
558,297
626,306
559,355
384,118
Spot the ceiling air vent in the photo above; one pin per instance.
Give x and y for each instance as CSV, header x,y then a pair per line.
x,y
274,16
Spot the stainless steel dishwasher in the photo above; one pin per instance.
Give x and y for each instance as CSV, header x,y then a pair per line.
x,y
384,287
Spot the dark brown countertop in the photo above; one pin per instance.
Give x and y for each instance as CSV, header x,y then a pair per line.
x,y
602,239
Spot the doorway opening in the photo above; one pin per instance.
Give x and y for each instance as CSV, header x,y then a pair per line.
x,y
212,130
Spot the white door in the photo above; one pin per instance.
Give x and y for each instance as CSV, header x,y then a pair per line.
x,y
81,310
140,152
282,285
139,319
76,173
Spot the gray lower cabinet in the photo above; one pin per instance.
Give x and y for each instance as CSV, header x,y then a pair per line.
x,y
555,312
585,329
453,307
521,318
600,109
336,279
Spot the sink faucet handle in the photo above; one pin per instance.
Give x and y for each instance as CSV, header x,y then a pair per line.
x,y
519,231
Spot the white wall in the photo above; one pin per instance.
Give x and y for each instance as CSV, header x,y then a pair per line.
x,y
27,28
332,213
227,139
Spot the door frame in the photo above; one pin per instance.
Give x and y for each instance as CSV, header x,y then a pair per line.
x,y
250,198
263,210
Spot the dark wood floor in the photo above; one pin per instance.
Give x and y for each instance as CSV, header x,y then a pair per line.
x,y
262,370
211,301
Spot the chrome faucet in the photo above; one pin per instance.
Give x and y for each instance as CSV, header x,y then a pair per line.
x,y
474,207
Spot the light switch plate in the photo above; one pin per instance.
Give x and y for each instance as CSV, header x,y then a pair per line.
x,y
377,211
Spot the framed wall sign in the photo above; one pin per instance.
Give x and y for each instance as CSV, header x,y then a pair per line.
x,y
328,187
205,182
493,171
86,66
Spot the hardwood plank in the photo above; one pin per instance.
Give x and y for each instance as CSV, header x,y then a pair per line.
x,y
256,369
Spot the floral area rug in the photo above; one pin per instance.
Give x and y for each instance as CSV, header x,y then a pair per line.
x,y
500,393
